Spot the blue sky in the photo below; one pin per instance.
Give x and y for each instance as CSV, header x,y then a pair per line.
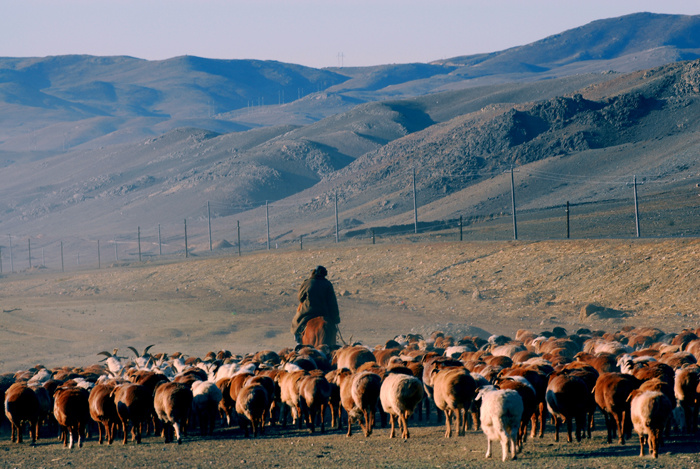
x,y
307,32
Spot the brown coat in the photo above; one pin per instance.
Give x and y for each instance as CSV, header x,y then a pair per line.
x,y
316,298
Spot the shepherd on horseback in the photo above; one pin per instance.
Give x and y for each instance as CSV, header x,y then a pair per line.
x,y
316,300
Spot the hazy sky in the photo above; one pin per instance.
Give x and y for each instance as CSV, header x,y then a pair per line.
x,y
307,32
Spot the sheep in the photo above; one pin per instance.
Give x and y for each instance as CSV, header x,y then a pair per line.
x,y
251,405
315,392
530,404
566,400
334,401
611,392
359,395
103,410
685,388
290,396
172,403
205,403
399,395
21,405
72,412
352,356
501,414
453,391
650,412
134,406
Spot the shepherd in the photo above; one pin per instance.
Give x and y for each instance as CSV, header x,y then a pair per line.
x,y
316,299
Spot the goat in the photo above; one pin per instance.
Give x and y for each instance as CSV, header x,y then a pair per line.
x,y
172,403
399,395
501,414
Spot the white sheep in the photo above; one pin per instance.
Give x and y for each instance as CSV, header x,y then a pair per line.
x,y
501,412
205,404
650,411
399,395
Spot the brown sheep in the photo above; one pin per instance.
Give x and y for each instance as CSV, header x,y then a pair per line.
x,y
611,392
315,392
251,405
134,406
352,356
565,394
72,412
172,403
290,396
359,394
453,391
21,405
103,410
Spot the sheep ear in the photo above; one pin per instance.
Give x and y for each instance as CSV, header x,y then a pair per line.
x,y
632,395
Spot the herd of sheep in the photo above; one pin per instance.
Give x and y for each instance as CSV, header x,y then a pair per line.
x,y
641,378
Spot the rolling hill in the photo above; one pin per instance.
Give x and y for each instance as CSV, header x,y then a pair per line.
x,y
94,146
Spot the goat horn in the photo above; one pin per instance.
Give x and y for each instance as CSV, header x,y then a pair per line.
x,y
105,353
134,350
145,351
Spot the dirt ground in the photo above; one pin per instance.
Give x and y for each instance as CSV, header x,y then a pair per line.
x,y
245,304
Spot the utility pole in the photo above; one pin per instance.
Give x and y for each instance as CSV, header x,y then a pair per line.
x,y
187,254
636,205
12,263
415,204
238,228
567,220
336,216
209,218
512,198
267,222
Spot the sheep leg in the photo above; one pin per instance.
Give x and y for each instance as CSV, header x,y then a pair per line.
x,y
620,421
488,447
349,426
654,440
393,426
403,421
556,428
448,423
368,425
460,422
641,445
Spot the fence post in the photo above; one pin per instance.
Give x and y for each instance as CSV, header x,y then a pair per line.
x,y
0,260
415,204
512,198
12,262
62,270
29,247
636,206
99,263
160,244
116,253
267,223
187,254
301,242
209,219
460,227
138,235
567,220
336,216
372,235
238,229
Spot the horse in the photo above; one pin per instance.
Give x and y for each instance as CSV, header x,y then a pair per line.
x,y
319,332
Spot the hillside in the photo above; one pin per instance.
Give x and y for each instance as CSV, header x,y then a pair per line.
x,y
578,139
